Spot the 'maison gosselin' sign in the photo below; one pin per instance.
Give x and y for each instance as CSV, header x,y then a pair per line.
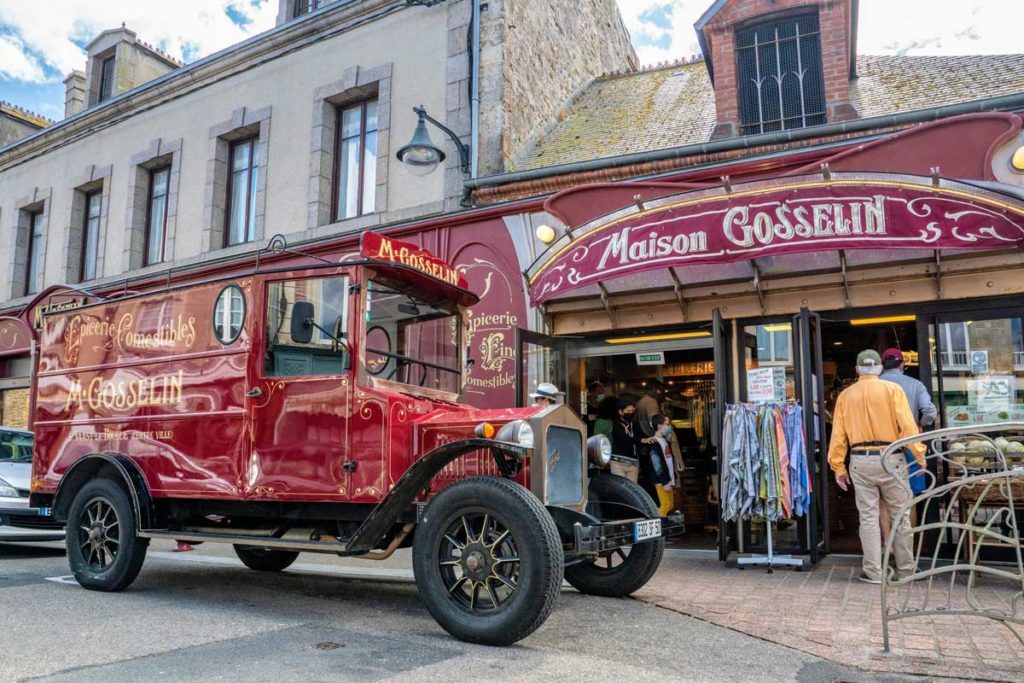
x,y
780,220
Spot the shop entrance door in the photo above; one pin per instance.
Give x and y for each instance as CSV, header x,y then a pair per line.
x,y
810,391
541,358
723,367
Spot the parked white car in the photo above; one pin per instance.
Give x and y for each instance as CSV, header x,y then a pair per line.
x,y
19,522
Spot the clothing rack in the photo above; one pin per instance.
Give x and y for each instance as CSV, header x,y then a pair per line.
x,y
774,497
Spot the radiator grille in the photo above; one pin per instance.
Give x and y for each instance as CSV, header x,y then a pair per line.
x,y
564,463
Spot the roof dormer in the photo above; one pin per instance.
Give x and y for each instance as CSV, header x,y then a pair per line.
x,y
118,62
779,64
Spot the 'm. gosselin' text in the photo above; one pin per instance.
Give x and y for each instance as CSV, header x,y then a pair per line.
x,y
99,393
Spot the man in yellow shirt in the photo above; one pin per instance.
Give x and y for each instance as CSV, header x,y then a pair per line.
x,y
869,415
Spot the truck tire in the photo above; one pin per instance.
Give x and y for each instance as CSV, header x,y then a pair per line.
x,y
103,551
265,559
619,573
488,561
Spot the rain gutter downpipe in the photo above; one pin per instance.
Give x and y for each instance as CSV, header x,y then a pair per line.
x,y
1001,103
474,92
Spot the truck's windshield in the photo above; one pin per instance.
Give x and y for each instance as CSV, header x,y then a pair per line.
x,y
412,341
15,446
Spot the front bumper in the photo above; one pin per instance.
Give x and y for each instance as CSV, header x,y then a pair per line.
x,y
601,537
20,523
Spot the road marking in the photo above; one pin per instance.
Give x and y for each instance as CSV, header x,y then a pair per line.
x,y
68,580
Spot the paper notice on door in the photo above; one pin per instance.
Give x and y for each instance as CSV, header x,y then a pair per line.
x,y
992,392
766,385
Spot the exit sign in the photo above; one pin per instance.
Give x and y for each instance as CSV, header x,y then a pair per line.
x,y
651,358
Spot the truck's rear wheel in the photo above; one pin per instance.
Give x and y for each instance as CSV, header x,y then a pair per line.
x,y
103,551
617,573
488,561
265,559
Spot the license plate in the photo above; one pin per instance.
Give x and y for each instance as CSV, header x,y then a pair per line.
x,y
649,528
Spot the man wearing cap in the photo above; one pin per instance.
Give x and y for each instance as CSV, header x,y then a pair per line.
x,y
869,415
921,406
546,394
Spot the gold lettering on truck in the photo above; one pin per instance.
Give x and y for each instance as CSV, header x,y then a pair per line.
x,y
100,393
124,335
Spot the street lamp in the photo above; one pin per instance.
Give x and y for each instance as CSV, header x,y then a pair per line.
x,y
421,154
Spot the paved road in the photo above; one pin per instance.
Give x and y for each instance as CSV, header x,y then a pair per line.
x,y
203,617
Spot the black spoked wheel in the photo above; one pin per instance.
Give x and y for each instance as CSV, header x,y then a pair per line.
x,y
265,559
103,551
619,572
479,562
100,536
488,561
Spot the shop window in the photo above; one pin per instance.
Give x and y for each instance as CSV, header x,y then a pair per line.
x,y
355,171
322,350
229,314
779,75
955,343
773,344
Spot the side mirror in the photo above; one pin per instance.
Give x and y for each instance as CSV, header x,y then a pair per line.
x,y
302,322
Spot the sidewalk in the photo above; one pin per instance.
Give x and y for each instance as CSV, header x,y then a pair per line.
x,y
826,612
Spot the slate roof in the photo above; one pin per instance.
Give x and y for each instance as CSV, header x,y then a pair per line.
x,y
675,105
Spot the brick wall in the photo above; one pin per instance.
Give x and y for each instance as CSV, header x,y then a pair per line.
x,y
834,17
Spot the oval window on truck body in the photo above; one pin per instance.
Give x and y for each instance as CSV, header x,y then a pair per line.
x,y
229,314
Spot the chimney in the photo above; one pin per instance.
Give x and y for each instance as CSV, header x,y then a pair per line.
x,y
74,98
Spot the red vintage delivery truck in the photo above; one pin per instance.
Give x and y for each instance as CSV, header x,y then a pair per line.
x,y
314,408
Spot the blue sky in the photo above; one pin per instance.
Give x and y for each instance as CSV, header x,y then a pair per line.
x,y
41,41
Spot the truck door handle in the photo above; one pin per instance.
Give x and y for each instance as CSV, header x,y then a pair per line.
x,y
255,392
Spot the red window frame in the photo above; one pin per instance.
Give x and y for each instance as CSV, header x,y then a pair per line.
x,y
336,212
248,228
150,196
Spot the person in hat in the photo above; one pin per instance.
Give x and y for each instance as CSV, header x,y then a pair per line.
x,y
924,412
546,394
869,415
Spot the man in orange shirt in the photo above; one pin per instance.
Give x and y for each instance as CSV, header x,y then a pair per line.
x,y
869,415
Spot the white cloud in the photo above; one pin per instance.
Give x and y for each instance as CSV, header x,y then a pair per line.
x,y
50,29
14,63
913,27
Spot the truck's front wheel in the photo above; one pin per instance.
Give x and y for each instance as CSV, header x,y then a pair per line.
x,y
620,572
103,551
488,561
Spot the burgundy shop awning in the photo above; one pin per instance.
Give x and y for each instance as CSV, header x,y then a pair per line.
x,y
769,228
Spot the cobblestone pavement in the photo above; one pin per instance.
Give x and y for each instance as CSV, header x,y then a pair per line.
x,y
826,612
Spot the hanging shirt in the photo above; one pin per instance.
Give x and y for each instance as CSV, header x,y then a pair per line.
x,y
870,410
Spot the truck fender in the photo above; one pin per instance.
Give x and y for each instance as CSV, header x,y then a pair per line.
x,y
88,467
415,479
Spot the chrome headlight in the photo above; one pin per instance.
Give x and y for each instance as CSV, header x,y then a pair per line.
x,y
518,432
7,491
599,450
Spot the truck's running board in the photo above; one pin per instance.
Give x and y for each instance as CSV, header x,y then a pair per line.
x,y
331,547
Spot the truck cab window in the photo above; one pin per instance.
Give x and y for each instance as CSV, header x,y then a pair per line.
x,y
323,350
422,339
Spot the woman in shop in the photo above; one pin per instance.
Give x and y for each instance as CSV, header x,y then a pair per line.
x,y
626,442
663,469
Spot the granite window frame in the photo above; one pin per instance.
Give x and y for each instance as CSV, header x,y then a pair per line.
x,y
24,247
159,154
94,180
357,83
244,123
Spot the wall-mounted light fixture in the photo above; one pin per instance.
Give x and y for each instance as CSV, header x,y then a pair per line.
x,y
545,233
421,154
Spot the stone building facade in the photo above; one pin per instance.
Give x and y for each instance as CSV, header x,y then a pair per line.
x,y
136,120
